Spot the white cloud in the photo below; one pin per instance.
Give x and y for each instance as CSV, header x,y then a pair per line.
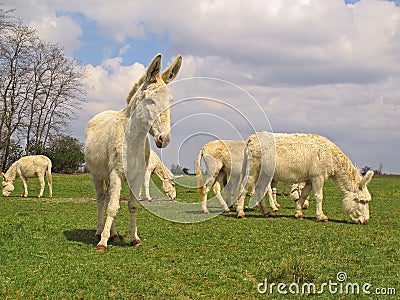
x,y
315,66
271,42
63,30
110,83
51,27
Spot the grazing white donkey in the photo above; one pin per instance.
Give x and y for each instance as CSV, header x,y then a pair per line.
x,y
33,166
117,147
222,158
156,166
310,158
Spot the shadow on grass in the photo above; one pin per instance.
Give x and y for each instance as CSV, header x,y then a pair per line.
x,y
87,236
253,213
81,235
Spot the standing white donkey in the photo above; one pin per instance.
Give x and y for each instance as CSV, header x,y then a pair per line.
x,y
117,147
28,167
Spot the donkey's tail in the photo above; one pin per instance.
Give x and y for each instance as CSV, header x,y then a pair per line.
x,y
49,178
199,175
244,176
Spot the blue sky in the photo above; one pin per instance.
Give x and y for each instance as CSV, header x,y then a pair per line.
x,y
397,2
96,47
327,67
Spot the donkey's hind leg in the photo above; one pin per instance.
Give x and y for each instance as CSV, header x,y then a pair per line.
x,y
114,192
41,180
99,186
300,202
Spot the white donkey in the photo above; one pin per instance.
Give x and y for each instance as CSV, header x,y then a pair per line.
x,y
117,147
310,158
33,166
156,166
222,158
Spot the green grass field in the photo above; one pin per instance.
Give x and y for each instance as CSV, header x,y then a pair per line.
x,y
47,249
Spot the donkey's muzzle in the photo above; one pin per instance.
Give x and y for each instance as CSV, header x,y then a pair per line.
x,y
162,140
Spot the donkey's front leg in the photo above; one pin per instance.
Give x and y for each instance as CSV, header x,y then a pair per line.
x,y
25,186
133,205
318,185
146,186
112,209
272,199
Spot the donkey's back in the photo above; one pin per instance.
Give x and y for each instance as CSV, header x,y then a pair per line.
x,y
104,138
33,166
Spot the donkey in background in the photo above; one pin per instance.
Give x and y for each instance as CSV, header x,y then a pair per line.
x,y
33,166
166,177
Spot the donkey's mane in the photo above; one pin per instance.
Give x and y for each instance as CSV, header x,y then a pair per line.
x,y
11,172
346,173
134,89
162,172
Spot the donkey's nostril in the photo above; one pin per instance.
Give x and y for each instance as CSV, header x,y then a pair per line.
x,y
162,140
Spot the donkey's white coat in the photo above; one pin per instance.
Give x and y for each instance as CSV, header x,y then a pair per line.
x,y
310,158
117,147
33,166
156,166
222,158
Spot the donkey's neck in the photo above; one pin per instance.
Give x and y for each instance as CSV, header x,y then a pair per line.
x,y
161,172
346,174
136,151
11,173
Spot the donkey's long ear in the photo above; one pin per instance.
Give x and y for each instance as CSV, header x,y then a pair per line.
x,y
4,175
366,179
170,73
154,68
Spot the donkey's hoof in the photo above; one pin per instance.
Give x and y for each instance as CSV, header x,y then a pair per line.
x,y
101,248
136,243
115,239
323,219
298,216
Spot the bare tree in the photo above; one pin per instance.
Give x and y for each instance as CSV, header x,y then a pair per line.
x,y
6,19
56,94
15,46
40,89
